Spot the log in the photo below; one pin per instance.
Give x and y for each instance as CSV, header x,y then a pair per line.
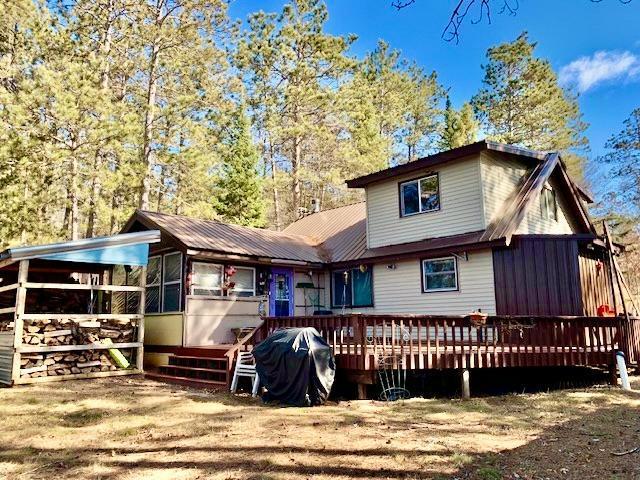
x,y
57,333
85,365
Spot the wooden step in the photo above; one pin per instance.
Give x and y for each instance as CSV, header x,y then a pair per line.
x,y
195,373
196,369
189,382
196,362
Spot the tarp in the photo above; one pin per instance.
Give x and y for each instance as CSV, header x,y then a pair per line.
x,y
296,366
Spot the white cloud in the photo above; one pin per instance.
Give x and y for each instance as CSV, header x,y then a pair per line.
x,y
602,66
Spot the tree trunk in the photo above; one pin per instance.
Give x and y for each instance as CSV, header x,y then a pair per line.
x,y
276,194
94,194
149,117
295,175
73,192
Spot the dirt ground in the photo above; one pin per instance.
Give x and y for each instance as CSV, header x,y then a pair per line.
x,y
130,428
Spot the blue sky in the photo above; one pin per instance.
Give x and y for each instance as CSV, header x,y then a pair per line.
x,y
597,44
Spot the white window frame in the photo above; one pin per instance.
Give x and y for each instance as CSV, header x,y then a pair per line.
x,y
544,207
172,282
193,286
253,290
159,285
418,181
424,275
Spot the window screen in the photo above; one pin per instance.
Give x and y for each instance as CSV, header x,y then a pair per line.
x,y
440,274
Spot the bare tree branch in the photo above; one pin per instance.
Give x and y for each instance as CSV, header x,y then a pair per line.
x,y
463,8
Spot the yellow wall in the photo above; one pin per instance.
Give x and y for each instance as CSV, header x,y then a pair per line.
x,y
163,329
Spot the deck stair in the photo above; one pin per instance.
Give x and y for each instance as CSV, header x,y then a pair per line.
x,y
197,371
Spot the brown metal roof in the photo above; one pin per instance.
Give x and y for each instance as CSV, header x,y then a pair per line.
x,y
340,233
221,237
444,157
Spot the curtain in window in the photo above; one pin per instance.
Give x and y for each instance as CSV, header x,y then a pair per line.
x,y
362,287
341,289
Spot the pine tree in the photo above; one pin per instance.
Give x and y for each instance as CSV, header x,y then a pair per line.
x,y
460,127
521,102
240,199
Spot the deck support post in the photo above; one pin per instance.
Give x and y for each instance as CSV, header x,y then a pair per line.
x,y
362,391
464,379
613,374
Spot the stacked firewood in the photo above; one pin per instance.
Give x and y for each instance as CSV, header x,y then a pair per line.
x,y
60,332
50,332
34,365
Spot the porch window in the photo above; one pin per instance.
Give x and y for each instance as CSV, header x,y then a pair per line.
x,y
420,196
352,287
206,279
439,275
171,286
154,274
245,282
549,204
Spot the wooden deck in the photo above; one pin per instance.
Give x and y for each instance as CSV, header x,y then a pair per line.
x,y
419,342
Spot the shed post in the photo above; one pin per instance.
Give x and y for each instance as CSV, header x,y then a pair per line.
x,y
18,322
464,378
141,310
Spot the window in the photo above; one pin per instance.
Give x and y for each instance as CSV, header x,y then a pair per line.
x,y
419,196
206,279
171,290
439,275
549,204
244,280
352,288
154,274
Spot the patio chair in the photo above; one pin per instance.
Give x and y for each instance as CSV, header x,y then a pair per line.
x,y
245,367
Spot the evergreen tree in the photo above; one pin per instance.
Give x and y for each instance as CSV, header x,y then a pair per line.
x,y
240,198
521,102
460,127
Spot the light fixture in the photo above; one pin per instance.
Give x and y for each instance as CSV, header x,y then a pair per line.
x,y
391,266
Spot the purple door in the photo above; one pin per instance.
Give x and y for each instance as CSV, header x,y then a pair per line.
x,y
281,292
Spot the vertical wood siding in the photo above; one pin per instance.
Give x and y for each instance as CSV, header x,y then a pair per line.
x,y
400,291
460,206
538,277
596,283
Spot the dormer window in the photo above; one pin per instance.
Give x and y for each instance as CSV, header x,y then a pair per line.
x,y
420,196
549,204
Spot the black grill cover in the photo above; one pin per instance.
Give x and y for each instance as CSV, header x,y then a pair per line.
x,y
296,366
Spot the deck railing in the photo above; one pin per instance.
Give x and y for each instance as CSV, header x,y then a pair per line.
x,y
364,342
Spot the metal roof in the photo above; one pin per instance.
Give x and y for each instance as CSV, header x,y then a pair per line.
x,y
340,233
215,236
26,253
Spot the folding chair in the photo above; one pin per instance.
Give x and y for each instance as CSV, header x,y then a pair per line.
x,y
245,367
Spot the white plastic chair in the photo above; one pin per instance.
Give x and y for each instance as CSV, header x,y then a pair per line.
x,y
245,367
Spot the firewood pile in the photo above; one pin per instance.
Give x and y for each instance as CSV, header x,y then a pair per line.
x,y
34,365
47,332
61,332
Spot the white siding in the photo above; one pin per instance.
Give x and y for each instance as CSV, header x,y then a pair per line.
x,y
461,208
400,290
500,179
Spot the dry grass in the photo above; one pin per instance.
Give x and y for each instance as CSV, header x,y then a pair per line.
x,y
140,429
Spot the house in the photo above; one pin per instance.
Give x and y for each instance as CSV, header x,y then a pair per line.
x,y
486,227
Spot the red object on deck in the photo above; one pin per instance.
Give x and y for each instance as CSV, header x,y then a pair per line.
x,y
606,311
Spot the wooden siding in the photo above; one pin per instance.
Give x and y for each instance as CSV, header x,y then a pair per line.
x,y
6,356
538,276
596,282
501,178
399,290
460,206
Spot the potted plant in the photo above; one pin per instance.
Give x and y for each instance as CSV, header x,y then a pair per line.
x,y
478,318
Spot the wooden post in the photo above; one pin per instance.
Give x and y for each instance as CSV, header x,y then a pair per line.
x,y
613,377
141,309
18,322
362,391
466,388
